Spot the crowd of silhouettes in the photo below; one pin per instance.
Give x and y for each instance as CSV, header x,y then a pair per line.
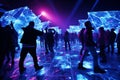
x,y
104,41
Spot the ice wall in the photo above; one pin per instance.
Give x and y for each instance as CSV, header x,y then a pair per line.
x,y
107,19
20,18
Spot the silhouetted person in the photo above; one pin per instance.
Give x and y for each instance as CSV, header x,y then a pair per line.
x,y
2,45
67,40
90,46
49,40
15,37
46,40
112,40
81,39
118,42
11,42
107,40
15,44
29,45
101,44
56,38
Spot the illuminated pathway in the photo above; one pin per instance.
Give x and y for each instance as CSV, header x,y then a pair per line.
x,y
62,66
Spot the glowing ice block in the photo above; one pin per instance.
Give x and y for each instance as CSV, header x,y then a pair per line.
x,y
20,18
107,19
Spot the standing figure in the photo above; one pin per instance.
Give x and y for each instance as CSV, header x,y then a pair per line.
x,y
89,45
112,40
29,45
49,40
107,40
81,39
67,40
118,42
2,45
101,44
11,42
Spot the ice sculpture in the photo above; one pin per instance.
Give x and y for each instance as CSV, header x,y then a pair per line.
x,y
81,22
74,28
20,18
107,19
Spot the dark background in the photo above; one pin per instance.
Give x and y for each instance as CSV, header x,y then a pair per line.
x,y
69,11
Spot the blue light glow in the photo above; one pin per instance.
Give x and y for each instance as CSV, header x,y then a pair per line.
x,y
59,57
42,71
78,3
81,22
81,77
21,18
96,2
90,73
63,62
107,19
29,63
87,65
74,28
65,66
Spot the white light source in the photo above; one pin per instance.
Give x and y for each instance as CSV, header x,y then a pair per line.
x,y
43,13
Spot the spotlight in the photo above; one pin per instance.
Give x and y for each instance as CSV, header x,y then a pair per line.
x,y
43,13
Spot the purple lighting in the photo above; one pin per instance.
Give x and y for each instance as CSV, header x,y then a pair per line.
x,y
43,13
50,16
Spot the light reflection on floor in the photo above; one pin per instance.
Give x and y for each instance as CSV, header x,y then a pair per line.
x,y
80,76
63,66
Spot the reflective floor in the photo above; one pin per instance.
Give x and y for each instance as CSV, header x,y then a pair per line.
x,y
61,66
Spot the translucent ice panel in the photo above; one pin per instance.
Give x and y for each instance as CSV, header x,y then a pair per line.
x,y
107,19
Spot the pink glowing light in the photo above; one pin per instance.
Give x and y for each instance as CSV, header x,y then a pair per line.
x,y
50,16
43,13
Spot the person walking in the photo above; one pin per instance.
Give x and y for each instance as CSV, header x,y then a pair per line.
x,y
89,45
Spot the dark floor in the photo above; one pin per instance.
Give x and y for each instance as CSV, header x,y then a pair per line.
x,y
63,66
